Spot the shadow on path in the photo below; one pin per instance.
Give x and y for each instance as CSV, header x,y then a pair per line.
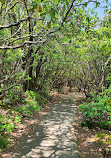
x,y
53,136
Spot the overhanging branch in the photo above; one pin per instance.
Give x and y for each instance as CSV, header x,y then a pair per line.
x,y
23,44
58,29
18,23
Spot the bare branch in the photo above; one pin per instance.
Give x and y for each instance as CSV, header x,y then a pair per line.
x,y
13,71
53,31
23,44
22,37
8,10
22,77
18,23
106,63
86,3
12,47
12,35
26,7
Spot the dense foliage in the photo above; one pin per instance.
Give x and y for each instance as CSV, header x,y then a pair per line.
x,y
46,45
98,112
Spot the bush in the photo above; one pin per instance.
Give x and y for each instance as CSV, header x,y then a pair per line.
x,y
98,112
7,124
34,102
14,96
3,142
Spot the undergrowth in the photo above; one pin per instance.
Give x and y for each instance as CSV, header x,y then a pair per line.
x,y
29,102
98,111
34,102
97,114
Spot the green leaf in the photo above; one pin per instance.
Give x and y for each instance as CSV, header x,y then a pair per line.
x,y
97,4
87,18
39,1
34,3
49,24
55,8
85,4
52,12
48,17
17,119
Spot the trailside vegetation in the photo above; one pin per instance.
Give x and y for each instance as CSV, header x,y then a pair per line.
x,y
46,45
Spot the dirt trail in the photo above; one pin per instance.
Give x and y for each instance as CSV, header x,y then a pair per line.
x,y
53,136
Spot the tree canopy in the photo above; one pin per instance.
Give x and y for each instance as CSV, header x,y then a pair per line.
x,y
48,44
43,41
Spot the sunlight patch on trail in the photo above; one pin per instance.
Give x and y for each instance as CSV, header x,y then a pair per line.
x,y
52,137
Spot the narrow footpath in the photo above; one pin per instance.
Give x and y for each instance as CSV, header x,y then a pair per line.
x,y
53,136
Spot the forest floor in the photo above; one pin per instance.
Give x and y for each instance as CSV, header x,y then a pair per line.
x,y
91,143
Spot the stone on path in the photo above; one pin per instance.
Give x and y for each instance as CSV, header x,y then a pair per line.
x,y
53,136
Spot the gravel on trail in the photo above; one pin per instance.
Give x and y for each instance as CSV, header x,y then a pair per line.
x,y
53,136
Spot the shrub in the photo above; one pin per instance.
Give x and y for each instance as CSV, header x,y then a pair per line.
x,y
3,142
7,124
14,96
34,102
98,112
